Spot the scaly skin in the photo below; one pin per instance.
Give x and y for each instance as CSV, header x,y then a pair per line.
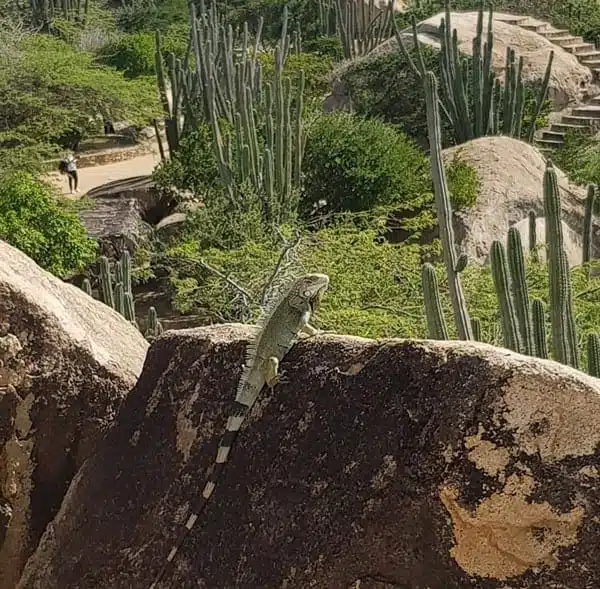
x,y
278,330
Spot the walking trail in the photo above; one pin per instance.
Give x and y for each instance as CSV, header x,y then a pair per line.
x,y
97,175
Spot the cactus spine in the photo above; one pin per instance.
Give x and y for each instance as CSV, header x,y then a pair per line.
x,y
436,324
444,210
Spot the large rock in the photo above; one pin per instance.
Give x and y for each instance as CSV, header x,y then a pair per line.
x,y
376,465
67,362
569,81
116,224
511,174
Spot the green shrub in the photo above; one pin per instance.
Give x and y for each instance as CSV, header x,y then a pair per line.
x,y
316,71
579,158
463,183
147,16
356,164
324,46
133,53
193,166
33,221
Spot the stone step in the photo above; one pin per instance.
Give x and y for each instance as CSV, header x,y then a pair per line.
x,y
591,112
552,34
579,48
549,143
553,135
586,56
594,101
594,65
536,27
576,120
566,41
566,127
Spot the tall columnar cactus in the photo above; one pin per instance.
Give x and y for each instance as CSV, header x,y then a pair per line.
x,y
502,285
588,223
362,26
86,287
444,210
562,321
476,327
479,86
436,324
538,320
153,326
533,236
593,354
106,282
516,265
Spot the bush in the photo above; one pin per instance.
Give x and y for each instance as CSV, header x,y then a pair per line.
x,y
579,158
134,54
33,221
463,183
324,46
147,16
356,164
316,71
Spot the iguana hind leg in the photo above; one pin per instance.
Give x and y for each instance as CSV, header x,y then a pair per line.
x,y
273,376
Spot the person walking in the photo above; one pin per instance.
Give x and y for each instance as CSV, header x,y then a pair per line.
x,y
71,168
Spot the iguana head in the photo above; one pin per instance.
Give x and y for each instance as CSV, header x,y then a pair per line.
x,y
308,289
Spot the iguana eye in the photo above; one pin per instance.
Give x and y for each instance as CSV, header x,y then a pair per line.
x,y
307,293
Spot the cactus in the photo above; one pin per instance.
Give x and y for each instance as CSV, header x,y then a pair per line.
x,y
508,315
106,282
125,265
516,265
444,210
154,327
533,236
129,307
476,327
588,224
593,354
538,321
119,298
491,102
436,324
562,322
86,287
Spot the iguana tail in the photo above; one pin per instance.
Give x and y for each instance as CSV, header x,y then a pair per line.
x,y
234,423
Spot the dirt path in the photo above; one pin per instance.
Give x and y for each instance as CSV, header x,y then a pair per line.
x,y
96,176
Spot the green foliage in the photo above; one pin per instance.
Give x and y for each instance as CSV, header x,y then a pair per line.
x,y
147,16
33,221
133,53
55,95
316,71
579,158
463,183
324,46
356,164
193,166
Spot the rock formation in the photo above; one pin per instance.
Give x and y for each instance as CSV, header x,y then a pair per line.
x,y
376,465
66,363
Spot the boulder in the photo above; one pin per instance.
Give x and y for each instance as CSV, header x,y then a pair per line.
x,y
511,174
171,224
153,205
116,224
67,362
374,465
569,81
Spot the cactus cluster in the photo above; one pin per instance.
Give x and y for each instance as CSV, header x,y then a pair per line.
x,y
523,320
45,11
117,293
496,108
265,148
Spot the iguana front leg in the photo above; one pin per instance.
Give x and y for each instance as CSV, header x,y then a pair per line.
x,y
271,372
310,331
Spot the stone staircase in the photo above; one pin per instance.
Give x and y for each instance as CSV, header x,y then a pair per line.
x,y
585,117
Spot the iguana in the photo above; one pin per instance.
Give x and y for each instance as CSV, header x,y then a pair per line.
x,y
278,329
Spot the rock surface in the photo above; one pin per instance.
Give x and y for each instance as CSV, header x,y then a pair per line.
x,y
376,465
511,176
67,363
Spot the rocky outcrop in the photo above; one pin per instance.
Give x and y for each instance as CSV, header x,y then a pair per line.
x,y
376,464
511,174
116,224
66,363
